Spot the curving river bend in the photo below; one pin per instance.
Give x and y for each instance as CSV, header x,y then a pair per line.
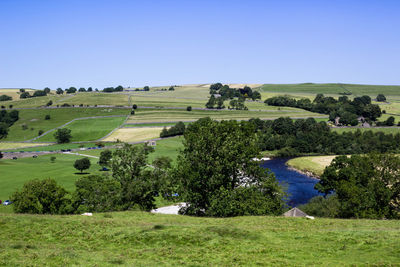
x,y
300,187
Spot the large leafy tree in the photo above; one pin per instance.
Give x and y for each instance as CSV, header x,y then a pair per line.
x,y
367,186
217,176
82,164
129,168
63,135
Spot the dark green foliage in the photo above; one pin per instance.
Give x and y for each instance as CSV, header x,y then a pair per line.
x,y
63,135
5,98
178,129
119,88
146,88
343,107
49,103
220,103
211,102
381,98
59,91
132,112
230,93
39,93
47,90
105,157
367,186
21,90
24,95
82,89
189,108
389,122
40,132
134,106
216,165
171,88
71,90
1,155
129,168
7,119
41,197
82,164
322,206
237,104
215,86
10,106
96,193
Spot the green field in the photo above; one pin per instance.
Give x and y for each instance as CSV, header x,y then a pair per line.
x,y
144,239
88,129
152,116
312,164
333,88
14,173
55,147
386,130
34,119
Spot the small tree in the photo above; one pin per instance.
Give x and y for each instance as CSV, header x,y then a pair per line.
x,y
381,98
40,132
132,112
41,197
90,89
59,91
63,135
105,157
21,90
1,155
171,88
24,95
82,164
49,103
189,108
134,106
47,90
146,88
47,117
10,106
82,89
53,159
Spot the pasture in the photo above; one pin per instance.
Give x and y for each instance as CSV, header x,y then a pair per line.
x,y
313,164
8,146
134,134
88,129
386,130
33,120
135,238
333,88
14,93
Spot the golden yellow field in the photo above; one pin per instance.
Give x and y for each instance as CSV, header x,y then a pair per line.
x,y
14,93
315,164
4,146
135,134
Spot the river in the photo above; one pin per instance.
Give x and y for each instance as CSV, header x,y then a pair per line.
x,y
300,187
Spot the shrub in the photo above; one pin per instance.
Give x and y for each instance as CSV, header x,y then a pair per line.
x,y
97,193
99,144
24,95
24,126
41,197
40,132
49,103
53,159
10,106
189,108
5,98
63,135
82,164
322,206
47,117
132,112
134,106
65,105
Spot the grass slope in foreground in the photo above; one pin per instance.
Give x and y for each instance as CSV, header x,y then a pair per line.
x,y
139,238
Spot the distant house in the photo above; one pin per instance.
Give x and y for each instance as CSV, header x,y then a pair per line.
x,y
295,212
216,95
363,123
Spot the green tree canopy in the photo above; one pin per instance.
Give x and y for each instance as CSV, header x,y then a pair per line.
x,y
82,164
63,135
216,167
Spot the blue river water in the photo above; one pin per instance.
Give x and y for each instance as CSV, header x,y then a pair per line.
x,y
300,187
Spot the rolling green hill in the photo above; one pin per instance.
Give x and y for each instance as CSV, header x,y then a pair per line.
x,y
144,239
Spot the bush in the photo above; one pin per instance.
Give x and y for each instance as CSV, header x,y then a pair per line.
x,y
63,135
132,112
40,132
178,129
24,95
24,126
47,117
134,106
5,98
65,105
381,98
189,108
322,206
53,159
49,103
97,193
82,164
41,197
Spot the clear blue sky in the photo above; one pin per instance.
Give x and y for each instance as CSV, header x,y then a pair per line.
x,y
106,43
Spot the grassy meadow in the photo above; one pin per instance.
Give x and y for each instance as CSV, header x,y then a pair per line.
x,y
144,239
88,129
313,164
34,119
9,146
386,130
134,134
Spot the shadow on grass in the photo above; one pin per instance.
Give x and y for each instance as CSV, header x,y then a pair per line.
x,y
81,173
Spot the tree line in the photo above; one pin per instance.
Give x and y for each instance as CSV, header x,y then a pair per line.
x,y
177,129
346,110
7,119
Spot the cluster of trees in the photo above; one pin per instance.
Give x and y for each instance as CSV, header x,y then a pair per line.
x,y
347,110
5,98
360,186
215,102
215,175
381,98
307,136
36,93
63,135
119,88
177,129
6,120
237,104
131,185
229,93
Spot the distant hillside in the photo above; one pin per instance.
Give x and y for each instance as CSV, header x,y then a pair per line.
x,y
332,88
